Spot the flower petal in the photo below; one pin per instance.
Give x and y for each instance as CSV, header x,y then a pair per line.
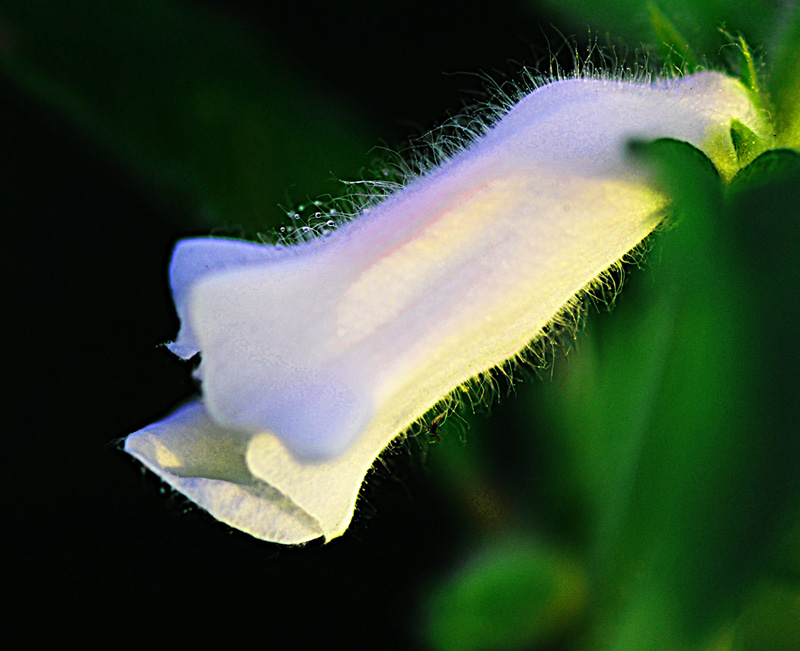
x,y
194,258
359,334
315,357
206,463
326,490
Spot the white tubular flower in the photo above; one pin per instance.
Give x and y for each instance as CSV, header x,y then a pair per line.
x,y
316,356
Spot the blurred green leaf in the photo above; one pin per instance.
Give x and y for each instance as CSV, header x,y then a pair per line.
x,y
680,414
512,594
771,621
784,82
787,558
697,23
198,110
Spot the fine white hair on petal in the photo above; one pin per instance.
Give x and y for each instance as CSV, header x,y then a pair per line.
x,y
325,351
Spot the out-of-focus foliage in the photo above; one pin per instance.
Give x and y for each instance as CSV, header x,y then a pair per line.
x,y
771,619
785,80
513,593
696,23
672,46
204,115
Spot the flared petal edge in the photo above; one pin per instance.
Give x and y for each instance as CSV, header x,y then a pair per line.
x,y
206,463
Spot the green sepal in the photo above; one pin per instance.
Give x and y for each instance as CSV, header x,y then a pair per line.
x,y
748,73
746,142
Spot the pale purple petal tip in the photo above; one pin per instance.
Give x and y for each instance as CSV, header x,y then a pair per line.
x,y
192,259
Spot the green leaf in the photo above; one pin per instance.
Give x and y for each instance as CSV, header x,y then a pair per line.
x,y
512,594
220,126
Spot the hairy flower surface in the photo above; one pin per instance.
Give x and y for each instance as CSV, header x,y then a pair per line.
x,y
316,356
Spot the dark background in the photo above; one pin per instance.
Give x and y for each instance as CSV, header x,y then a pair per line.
x,y
86,531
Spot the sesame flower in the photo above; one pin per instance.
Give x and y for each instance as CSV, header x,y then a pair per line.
x,y
316,356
